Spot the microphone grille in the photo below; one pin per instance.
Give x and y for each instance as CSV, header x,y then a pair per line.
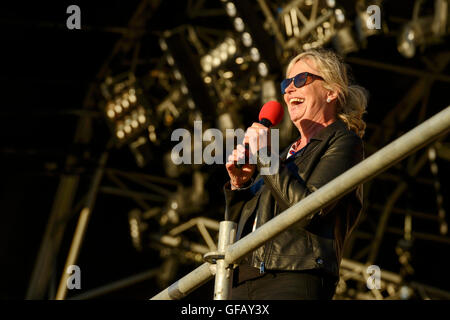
x,y
272,111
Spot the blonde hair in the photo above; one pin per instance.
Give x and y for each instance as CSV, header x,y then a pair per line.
x,y
352,99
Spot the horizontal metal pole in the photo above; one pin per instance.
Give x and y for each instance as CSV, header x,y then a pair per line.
x,y
362,269
187,284
362,172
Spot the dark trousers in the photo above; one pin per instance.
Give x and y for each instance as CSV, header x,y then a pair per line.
x,y
286,286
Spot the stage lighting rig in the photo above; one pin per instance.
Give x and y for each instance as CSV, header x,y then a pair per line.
x,y
125,108
186,70
424,31
219,55
180,79
236,66
309,24
248,28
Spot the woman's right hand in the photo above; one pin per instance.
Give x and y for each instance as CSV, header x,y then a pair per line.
x,y
239,176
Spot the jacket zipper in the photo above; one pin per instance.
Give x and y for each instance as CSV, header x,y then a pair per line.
x,y
262,264
261,268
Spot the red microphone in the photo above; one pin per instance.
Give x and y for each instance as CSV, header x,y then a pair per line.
x,y
270,115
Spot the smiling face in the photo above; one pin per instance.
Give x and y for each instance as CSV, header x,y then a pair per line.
x,y
310,101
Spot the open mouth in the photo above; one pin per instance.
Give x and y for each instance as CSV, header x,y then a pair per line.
x,y
296,101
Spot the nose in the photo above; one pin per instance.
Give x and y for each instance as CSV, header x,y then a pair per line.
x,y
290,88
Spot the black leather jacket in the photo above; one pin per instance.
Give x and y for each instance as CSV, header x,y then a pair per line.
x,y
318,242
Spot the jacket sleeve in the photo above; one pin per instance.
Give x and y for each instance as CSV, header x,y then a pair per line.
x,y
288,187
235,200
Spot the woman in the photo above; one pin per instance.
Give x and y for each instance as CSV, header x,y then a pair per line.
x,y
303,261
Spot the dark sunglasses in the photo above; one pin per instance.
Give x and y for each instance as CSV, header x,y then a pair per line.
x,y
300,80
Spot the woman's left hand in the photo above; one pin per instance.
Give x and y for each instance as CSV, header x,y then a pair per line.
x,y
257,137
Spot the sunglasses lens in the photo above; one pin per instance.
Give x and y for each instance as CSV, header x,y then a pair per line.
x,y
284,84
300,79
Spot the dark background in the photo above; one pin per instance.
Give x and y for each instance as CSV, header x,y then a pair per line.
x,y
46,71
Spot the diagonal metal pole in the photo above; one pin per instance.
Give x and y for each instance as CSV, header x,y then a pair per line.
x,y
332,191
82,224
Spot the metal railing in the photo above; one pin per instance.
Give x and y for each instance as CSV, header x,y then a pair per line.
x,y
220,262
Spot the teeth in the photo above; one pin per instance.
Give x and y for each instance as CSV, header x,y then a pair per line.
x,y
296,100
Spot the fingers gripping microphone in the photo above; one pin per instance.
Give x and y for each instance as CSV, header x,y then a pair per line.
x,y
270,115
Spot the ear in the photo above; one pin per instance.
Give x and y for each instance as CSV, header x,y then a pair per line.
x,y
332,96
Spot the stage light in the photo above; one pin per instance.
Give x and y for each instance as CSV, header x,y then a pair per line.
x,y
331,3
418,32
340,16
125,103
163,44
119,130
218,55
120,134
191,104
231,46
405,43
239,24
206,63
132,99
240,60
320,32
110,110
231,9
207,79
118,108
254,54
152,133
170,60
110,113
186,65
425,30
344,41
177,74
184,89
262,69
246,39
223,55
228,75
216,62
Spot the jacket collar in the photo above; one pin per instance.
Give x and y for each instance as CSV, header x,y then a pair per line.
x,y
323,134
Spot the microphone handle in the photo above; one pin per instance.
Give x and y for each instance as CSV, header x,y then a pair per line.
x,y
266,123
